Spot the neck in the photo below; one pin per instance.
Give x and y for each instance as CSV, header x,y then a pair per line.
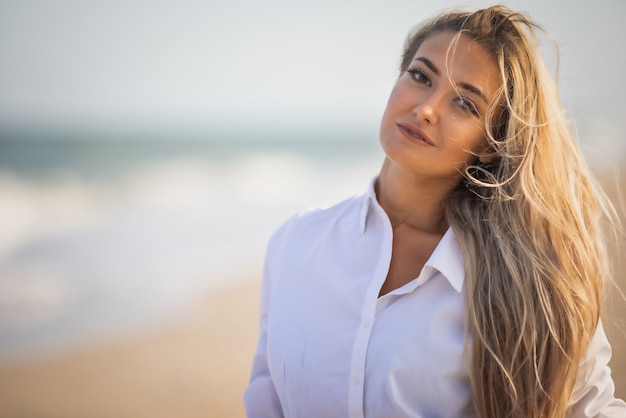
x,y
413,200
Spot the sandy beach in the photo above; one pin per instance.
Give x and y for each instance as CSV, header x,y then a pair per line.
x,y
194,365
149,149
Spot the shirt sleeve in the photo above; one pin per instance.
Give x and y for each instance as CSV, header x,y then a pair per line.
x,y
261,399
593,394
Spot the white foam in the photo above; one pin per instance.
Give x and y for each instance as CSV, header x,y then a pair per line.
x,y
79,257
32,295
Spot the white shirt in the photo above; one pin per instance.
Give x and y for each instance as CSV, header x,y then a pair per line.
x,y
331,347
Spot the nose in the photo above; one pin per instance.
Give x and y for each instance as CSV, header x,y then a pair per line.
x,y
428,109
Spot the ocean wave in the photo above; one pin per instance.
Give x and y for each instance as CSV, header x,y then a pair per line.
x,y
79,254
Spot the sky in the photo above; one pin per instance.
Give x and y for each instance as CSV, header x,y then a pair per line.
x,y
246,67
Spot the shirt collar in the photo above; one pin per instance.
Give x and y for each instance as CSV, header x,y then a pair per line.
x,y
369,199
446,258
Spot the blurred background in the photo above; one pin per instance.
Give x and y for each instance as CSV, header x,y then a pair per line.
x,y
149,148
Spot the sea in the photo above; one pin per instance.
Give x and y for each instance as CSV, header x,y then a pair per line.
x,y
105,235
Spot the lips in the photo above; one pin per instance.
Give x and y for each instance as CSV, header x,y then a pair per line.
x,y
414,134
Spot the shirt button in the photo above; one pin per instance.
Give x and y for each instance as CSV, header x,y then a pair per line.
x,y
356,380
367,323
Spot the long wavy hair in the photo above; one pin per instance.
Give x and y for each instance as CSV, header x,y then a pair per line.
x,y
528,224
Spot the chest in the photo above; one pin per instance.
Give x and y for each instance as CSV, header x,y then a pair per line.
x,y
410,251
332,337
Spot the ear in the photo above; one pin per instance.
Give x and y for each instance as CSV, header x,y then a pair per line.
x,y
486,158
485,155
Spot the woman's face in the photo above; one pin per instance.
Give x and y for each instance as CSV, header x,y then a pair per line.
x,y
434,123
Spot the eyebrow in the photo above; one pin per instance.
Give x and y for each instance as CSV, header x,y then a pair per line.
x,y
465,86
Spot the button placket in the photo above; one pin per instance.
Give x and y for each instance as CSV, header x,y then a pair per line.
x,y
363,333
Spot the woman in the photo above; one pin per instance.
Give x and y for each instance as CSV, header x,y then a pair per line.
x,y
467,280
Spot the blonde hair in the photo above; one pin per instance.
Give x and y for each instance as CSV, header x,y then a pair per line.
x,y
528,223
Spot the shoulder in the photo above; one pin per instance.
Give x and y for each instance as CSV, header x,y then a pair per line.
x,y
314,223
320,216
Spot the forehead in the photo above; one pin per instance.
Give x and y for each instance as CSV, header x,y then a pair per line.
x,y
462,61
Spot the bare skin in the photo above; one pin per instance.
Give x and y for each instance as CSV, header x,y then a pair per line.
x,y
418,225
411,249
433,127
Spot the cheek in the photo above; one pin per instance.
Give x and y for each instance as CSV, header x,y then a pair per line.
x,y
388,116
470,143
395,100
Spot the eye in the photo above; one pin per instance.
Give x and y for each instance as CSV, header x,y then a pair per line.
x,y
419,75
467,105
